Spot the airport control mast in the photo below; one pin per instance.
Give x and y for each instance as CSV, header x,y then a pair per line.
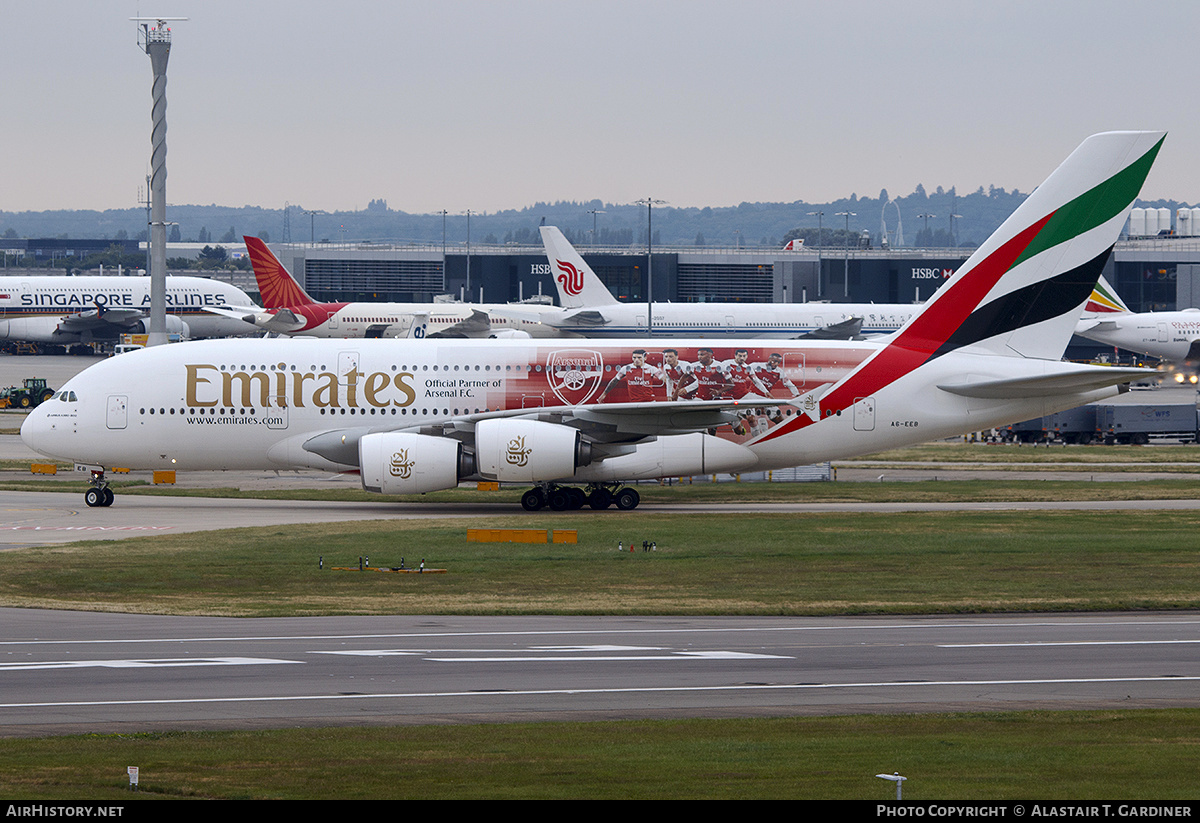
x,y
155,37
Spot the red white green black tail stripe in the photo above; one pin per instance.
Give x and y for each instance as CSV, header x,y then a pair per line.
x,y
1022,292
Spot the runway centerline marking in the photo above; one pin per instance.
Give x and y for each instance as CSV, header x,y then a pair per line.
x,y
1033,643
159,663
607,631
584,691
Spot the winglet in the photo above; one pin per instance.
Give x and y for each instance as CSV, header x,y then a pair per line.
x,y
275,285
578,286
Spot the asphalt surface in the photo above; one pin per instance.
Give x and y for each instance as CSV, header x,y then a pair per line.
x,y
63,672
71,672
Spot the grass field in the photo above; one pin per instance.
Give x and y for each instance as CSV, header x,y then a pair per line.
x,y
948,562
1127,755
705,564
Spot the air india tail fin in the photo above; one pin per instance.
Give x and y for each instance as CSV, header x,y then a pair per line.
x,y
276,286
578,286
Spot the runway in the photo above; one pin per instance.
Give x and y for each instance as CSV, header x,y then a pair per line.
x,y
66,672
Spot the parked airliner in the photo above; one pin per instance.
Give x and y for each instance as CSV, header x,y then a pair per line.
x,y
67,310
592,311
576,420
290,310
1168,335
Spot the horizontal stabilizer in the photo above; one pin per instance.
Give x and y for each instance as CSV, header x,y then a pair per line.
x,y
587,317
1070,380
846,330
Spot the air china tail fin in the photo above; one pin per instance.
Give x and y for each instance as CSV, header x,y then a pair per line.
x,y
578,286
1105,300
276,286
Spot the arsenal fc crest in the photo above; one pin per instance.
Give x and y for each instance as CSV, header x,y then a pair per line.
x,y
574,375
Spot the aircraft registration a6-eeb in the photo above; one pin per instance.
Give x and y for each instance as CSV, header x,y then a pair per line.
x,y
577,419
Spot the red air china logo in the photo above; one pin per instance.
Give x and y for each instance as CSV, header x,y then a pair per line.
x,y
571,278
574,375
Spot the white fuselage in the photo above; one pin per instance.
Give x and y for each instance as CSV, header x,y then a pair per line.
x,y
1168,335
363,320
738,320
255,404
34,308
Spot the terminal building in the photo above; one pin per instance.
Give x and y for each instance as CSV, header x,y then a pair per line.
x,y
1150,274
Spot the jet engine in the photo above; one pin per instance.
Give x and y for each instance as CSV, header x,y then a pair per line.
x,y
510,334
175,325
401,463
529,451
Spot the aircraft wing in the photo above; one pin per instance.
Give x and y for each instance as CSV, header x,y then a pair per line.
x,y
477,323
100,318
281,321
1069,379
613,428
1086,325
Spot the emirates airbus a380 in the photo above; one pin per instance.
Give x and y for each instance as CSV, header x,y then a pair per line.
x,y
416,416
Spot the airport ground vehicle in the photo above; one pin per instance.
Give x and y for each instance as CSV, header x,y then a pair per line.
x,y
1112,423
1141,423
32,392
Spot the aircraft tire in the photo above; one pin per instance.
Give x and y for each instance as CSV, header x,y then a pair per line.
x,y
93,498
109,497
627,499
532,500
600,499
560,500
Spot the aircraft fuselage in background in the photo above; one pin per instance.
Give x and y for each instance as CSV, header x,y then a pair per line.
x,y
65,310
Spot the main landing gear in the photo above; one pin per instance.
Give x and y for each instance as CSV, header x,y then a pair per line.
x,y
99,495
565,498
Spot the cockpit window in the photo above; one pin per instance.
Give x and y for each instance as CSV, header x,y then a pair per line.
x,y
72,397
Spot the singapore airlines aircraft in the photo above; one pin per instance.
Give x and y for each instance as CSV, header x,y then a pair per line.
x,y
1167,335
66,310
290,310
577,419
594,312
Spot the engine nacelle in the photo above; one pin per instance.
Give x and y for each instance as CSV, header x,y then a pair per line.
x,y
679,454
510,334
400,463
175,325
528,451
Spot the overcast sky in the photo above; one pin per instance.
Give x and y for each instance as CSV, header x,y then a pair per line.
x,y
489,105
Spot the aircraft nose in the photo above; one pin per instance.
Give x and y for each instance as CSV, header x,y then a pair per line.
x,y
37,431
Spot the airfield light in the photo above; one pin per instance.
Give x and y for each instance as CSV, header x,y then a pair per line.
x,y
895,776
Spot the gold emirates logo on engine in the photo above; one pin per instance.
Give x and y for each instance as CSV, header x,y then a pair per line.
x,y
401,466
209,385
517,454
